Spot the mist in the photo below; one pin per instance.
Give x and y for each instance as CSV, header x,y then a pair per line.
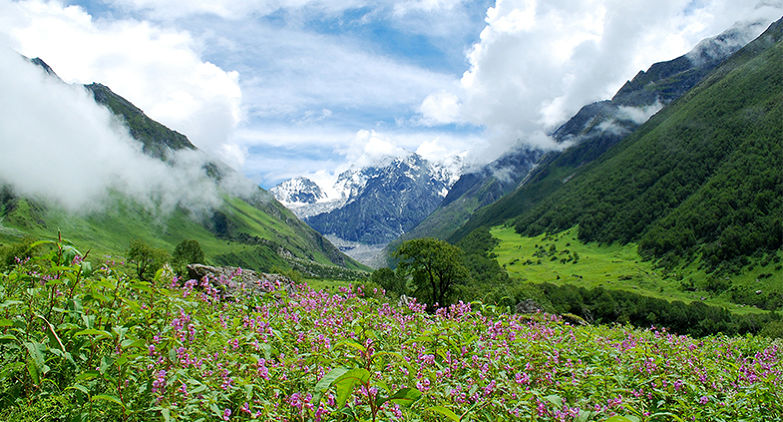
x,y
58,145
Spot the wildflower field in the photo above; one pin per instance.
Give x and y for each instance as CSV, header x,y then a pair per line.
x,y
84,344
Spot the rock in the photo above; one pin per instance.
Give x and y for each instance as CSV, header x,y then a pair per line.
x,y
573,319
404,301
234,282
528,306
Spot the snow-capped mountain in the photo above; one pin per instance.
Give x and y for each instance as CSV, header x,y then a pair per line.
x,y
298,191
384,202
375,204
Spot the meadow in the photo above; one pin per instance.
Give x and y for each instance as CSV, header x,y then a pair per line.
x,y
90,344
561,258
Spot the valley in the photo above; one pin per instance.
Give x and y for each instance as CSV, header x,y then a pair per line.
x,y
364,214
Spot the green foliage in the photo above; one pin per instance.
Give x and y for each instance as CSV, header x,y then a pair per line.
x,y
145,258
19,249
695,319
107,346
389,280
187,252
773,329
435,268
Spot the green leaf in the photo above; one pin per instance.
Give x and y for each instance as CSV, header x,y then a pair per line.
x,y
444,411
86,376
32,369
6,323
619,418
344,385
79,387
351,343
583,416
36,353
554,399
667,414
329,378
8,338
405,396
109,398
39,243
8,303
93,331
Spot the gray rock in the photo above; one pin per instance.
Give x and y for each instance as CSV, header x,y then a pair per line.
x,y
234,282
528,306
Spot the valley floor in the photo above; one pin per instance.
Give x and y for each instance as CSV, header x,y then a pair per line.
x,y
563,259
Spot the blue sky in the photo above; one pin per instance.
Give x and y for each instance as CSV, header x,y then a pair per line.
x,y
310,87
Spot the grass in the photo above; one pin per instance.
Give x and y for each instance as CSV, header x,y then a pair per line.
x,y
110,231
563,259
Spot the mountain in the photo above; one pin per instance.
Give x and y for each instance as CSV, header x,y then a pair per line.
x,y
599,126
248,228
700,183
373,205
473,190
298,191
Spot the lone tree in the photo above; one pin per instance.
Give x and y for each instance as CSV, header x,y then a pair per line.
x,y
146,258
187,252
435,268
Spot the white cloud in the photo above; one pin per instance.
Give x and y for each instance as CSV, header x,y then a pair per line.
x,y
159,70
232,9
537,62
440,108
639,115
296,74
409,6
83,153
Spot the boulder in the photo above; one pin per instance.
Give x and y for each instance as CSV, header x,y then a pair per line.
x,y
528,306
234,282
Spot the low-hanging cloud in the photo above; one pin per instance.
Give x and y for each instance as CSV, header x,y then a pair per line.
x,y
158,69
538,61
60,146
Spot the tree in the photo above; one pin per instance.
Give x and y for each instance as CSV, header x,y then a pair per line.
x,y
389,280
187,252
146,258
435,268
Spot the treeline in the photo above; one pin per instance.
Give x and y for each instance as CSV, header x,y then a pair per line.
x,y
479,277
695,319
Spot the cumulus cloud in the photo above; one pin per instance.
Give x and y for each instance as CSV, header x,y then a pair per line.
x,y
537,62
159,70
59,145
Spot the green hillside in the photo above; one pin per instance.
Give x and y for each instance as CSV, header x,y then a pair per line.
x,y
253,231
700,181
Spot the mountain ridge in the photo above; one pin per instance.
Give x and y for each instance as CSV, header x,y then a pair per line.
x,y
248,227
597,127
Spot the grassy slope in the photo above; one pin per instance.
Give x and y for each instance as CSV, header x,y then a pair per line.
x,y
613,266
109,233
255,232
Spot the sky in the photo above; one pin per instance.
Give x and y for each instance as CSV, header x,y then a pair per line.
x,y
278,89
